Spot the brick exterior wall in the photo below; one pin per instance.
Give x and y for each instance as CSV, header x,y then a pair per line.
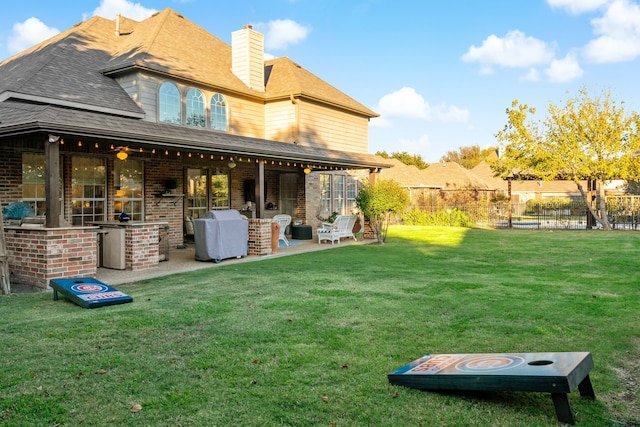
x,y
260,236
39,255
142,246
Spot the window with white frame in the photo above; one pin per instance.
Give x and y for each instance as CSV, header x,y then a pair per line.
x,y
33,182
169,104
88,190
218,112
128,183
206,190
337,194
196,115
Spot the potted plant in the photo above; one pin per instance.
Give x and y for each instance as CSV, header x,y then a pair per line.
x,y
171,184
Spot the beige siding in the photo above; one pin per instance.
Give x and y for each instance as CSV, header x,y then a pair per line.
x,y
280,121
246,117
307,123
325,127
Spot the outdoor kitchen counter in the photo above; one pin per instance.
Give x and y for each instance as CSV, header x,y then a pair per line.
x,y
141,244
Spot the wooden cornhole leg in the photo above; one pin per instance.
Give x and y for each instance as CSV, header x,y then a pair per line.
x,y
563,408
562,405
586,389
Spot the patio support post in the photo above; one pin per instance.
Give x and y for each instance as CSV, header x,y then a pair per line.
x,y
51,184
259,189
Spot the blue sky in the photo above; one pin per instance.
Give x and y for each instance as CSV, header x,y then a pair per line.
x,y
440,73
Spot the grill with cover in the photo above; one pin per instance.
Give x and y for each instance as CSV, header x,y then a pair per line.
x,y
221,234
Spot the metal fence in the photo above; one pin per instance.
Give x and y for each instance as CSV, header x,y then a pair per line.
x,y
624,213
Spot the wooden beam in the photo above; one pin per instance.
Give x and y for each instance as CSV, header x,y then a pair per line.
x,y
259,189
51,184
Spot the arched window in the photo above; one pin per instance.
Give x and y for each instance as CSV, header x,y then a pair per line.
x,y
169,105
218,112
195,108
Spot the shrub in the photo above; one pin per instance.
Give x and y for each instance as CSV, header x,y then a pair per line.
x,y
448,217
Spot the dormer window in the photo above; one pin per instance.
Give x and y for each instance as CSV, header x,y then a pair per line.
x,y
196,115
169,105
218,112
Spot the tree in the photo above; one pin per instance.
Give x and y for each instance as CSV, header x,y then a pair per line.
x,y
379,201
588,138
406,158
468,157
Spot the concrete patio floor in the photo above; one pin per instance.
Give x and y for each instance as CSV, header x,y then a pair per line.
x,y
183,260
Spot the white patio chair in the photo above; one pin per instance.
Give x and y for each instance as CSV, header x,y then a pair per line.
x,y
283,221
342,227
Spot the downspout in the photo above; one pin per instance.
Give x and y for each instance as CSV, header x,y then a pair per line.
x,y
296,119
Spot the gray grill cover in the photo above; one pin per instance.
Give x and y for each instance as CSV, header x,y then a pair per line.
x,y
221,234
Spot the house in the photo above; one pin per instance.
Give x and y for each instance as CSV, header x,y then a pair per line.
x,y
458,184
413,180
522,191
96,120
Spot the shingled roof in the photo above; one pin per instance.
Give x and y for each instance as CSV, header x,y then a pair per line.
x,y
452,176
83,61
166,43
407,176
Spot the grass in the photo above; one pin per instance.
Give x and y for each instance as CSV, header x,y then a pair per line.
x,y
308,340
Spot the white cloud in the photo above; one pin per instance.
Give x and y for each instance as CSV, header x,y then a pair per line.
x,y
450,114
281,33
514,50
619,34
406,103
110,8
564,70
28,33
533,75
577,6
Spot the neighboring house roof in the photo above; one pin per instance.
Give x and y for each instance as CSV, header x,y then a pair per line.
x,y
452,176
483,170
407,176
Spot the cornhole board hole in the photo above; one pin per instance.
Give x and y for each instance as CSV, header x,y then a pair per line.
x,y
88,292
555,373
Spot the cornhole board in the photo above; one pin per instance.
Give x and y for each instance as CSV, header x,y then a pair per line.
x,y
555,373
88,292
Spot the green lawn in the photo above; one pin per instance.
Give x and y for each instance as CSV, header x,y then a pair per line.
x,y
308,340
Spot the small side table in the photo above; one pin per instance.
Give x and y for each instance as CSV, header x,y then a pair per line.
x,y
301,232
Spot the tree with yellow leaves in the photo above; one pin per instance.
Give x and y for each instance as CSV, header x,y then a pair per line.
x,y
587,138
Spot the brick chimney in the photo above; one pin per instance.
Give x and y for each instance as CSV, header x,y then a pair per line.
x,y
247,57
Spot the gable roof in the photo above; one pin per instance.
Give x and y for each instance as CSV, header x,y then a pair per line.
x,y
407,176
483,170
285,78
452,176
167,43
67,59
